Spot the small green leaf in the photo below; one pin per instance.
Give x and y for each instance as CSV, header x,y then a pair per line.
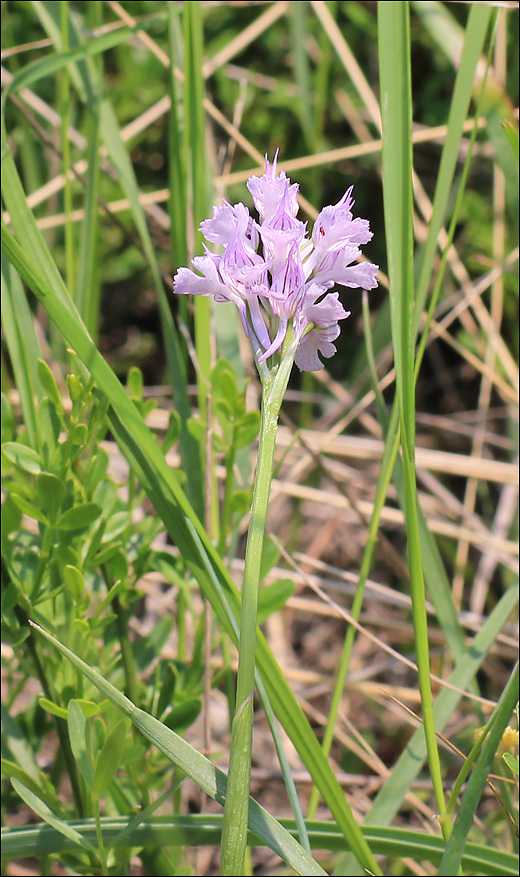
x,y
228,388
246,429
28,508
74,581
173,431
118,565
167,686
79,434
78,741
115,525
75,388
183,715
97,469
50,386
52,708
219,443
51,491
108,759
23,456
134,382
106,554
11,516
512,762
273,597
147,407
90,708
79,517
197,429
225,416
240,503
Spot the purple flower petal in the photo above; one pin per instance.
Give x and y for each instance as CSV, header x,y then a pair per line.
x,y
274,272
269,190
316,341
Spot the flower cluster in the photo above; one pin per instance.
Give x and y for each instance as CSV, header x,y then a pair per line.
x,y
275,274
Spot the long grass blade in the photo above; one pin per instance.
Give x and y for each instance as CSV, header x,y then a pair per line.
x,y
190,761
22,345
453,854
204,830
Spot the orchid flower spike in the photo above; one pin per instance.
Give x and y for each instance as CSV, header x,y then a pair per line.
x,y
276,274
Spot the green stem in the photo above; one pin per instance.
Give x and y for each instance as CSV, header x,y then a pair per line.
x,y
65,148
234,829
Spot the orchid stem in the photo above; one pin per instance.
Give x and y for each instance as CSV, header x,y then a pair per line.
x,y
234,829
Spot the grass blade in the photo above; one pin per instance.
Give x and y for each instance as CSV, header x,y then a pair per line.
x,y
22,345
190,761
471,798
396,113
204,830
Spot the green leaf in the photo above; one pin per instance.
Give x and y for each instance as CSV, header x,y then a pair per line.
x,y
23,456
74,581
16,747
14,771
53,708
79,434
240,503
75,388
51,491
197,429
28,508
48,382
116,524
77,725
512,135
134,382
273,597
22,344
173,431
49,426
108,759
246,429
512,762
225,385
80,516
42,810
167,687
183,715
